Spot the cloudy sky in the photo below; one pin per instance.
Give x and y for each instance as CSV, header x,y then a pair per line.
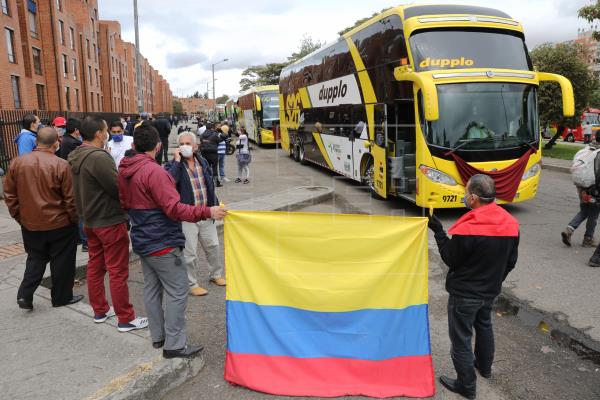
x,y
182,38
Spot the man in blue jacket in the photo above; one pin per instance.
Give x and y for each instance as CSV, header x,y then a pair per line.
x,y
194,181
26,140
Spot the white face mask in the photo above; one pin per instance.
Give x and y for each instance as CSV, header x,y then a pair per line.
x,y
186,151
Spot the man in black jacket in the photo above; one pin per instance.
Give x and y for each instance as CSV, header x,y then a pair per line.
x,y
163,127
481,253
72,139
209,144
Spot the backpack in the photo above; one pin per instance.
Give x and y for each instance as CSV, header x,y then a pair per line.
x,y
583,169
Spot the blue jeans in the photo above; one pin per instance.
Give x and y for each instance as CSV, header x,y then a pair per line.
x,y
464,315
222,165
82,235
587,211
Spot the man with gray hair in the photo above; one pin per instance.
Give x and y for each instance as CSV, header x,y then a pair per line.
x,y
481,253
194,181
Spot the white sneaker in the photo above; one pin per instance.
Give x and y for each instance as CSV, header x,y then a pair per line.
x,y
102,318
225,179
138,323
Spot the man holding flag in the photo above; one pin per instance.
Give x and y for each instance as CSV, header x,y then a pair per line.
x,y
481,253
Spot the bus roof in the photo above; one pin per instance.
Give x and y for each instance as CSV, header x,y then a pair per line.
x,y
259,89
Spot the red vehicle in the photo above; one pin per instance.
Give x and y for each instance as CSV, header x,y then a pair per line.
x,y
591,115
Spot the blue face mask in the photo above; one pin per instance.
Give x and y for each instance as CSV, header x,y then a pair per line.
x,y
117,138
466,202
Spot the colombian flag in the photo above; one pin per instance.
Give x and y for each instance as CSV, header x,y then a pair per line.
x,y
327,305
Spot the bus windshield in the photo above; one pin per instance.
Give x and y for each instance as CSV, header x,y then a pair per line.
x,y
484,116
270,108
448,49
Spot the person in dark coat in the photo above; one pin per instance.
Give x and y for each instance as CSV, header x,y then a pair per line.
x,y
482,252
163,127
72,139
209,145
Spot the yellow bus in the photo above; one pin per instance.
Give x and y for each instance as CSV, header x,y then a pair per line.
x,y
419,98
259,109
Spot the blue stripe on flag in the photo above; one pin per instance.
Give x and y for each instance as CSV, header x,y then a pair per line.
x,y
362,334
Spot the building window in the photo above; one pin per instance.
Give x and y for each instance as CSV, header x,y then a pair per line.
x,y
93,30
90,73
92,97
97,79
72,38
10,45
61,31
74,68
98,98
95,53
76,99
59,5
37,60
16,91
68,97
32,14
5,9
41,96
65,66
87,46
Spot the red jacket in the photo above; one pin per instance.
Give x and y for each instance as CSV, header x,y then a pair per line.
x,y
148,193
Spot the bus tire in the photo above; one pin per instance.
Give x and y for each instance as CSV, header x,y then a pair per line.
x,y
368,178
296,153
301,155
259,139
570,138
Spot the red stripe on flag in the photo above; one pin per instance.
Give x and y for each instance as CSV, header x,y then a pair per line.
x,y
410,376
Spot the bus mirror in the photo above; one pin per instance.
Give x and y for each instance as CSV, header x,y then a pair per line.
x,y
568,102
425,83
367,144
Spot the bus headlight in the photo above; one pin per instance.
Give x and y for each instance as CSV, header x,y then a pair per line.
x,y
437,176
531,172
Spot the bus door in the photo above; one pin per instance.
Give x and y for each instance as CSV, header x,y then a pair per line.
x,y
379,150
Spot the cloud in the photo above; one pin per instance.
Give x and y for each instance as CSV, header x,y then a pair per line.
x,y
184,59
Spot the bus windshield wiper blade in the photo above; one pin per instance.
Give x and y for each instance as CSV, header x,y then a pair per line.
x,y
470,141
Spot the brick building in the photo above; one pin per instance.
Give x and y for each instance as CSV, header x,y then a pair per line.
x,y
59,56
194,105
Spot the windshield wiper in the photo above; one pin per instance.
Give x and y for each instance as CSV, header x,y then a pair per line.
x,y
478,140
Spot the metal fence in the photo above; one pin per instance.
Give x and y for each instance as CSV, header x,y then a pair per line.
x,y
10,126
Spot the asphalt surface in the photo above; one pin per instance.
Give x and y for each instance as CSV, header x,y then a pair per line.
x,y
529,363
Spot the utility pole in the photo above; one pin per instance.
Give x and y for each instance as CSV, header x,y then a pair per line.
x,y
213,82
138,68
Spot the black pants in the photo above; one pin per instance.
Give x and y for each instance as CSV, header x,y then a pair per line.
x,y
213,160
57,246
163,151
464,315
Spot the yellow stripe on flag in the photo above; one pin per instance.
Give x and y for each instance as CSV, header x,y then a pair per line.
x,y
326,262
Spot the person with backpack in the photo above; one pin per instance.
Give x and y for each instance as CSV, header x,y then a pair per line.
x,y
243,157
210,140
585,165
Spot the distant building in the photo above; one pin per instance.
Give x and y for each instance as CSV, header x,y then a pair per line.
x,y
192,105
592,49
59,56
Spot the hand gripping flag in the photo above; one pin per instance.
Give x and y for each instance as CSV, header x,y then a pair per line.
x,y
328,305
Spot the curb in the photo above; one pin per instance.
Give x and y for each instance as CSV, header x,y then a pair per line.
x,y
557,168
152,380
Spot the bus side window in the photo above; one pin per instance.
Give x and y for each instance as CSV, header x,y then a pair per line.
x,y
359,122
380,125
423,123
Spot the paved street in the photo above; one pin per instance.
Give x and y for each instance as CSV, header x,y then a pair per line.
x,y
530,364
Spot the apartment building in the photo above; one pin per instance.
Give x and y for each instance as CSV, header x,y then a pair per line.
x,y
59,56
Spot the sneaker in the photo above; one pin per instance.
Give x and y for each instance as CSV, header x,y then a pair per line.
x,y
566,235
219,281
225,179
138,323
246,181
84,248
588,242
594,262
102,318
238,180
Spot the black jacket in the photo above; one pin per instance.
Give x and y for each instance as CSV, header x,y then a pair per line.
x,y
209,141
163,127
67,145
481,253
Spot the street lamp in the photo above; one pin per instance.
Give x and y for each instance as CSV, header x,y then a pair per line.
x,y
138,69
213,82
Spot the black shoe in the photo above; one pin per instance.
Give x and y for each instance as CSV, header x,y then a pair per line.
x,y
594,262
75,299
219,184
189,351
84,248
24,304
159,344
451,385
484,374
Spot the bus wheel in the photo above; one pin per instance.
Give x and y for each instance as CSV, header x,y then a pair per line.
x,y
369,179
301,155
570,138
296,153
258,139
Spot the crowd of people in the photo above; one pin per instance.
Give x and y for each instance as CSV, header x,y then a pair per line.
x,y
102,184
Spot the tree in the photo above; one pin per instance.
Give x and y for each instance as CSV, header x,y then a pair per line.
x,y
591,13
196,95
259,75
361,21
564,59
205,96
595,99
222,99
177,107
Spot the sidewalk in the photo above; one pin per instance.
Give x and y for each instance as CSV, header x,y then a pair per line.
x,y
556,164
